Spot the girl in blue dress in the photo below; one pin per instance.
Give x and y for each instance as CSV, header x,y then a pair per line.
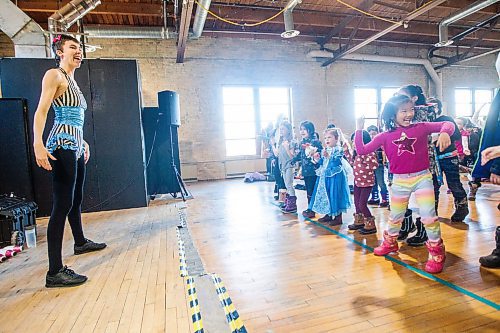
x,y
331,192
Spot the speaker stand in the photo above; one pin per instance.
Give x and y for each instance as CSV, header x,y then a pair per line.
x,y
184,192
182,187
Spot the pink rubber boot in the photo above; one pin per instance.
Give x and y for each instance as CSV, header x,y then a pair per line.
x,y
390,244
437,256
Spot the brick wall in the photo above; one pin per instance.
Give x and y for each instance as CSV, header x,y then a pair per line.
x,y
321,95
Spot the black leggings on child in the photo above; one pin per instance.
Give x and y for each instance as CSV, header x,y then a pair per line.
x,y
280,183
68,176
310,181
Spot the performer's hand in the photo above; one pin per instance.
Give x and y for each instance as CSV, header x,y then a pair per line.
x,y
495,179
443,141
466,152
489,154
42,156
316,156
86,153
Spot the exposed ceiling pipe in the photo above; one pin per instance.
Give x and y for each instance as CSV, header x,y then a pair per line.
x,y
27,36
443,25
65,17
110,31
199,18
490,21
469,58
378,58
288,18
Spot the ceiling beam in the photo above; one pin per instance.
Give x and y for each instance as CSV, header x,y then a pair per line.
x,y
390,5
310,22
187,10
335,8
411,16
365,5
311,36
105,8
460,4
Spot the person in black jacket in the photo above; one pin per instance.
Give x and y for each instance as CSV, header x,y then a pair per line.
x,y
308,146
488,165
448,161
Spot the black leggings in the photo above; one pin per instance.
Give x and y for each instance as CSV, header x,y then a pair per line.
x,y
280,183
68,176
310,182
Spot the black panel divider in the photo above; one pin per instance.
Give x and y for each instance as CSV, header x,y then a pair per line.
x,y
15,161
115,176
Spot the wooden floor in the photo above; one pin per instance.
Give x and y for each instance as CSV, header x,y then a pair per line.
x,y
134,284
282,273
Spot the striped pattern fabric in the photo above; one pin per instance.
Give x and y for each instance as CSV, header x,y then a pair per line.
x,y
72,96
402,187
66,137
67,132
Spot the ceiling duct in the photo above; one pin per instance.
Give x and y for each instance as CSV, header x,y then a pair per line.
x,y
288,18
109,31
443,25
389,59
27,36
65,17
200,17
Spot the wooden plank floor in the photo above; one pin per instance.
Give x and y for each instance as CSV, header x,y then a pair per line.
x,y
134,284
282,273
285,274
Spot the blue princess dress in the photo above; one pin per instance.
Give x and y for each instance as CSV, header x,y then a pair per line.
x,y
331,193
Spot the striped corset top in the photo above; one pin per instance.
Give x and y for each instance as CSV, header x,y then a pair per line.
x,y
69,108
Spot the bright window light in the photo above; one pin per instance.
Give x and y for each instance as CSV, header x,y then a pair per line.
x,y
368,102
247,110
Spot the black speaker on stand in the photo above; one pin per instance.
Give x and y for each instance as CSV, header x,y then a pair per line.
x,y
162,147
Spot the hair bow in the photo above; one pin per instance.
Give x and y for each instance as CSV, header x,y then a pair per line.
x,y
56,39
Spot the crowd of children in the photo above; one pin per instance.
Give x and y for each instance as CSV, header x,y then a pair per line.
x,y
418,146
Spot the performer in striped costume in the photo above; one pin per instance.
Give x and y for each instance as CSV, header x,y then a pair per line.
x,y
68,154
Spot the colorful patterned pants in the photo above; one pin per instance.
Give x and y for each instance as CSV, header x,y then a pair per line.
x,y
421,184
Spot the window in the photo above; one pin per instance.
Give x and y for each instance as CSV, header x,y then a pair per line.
x,y
469,102
247,110
368,102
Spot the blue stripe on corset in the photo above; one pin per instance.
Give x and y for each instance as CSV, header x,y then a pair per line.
x,y
69,115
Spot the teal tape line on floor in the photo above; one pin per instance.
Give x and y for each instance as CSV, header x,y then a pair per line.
x,y
432,277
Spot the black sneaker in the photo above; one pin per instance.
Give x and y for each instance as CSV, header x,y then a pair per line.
x,y
89,246
326,218
308,213
64,278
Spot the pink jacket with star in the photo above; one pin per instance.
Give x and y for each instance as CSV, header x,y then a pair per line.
x,y
405,147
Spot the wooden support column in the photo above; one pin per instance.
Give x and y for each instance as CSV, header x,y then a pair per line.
x,y
187,9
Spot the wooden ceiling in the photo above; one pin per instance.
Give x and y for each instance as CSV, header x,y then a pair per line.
x,y
315,19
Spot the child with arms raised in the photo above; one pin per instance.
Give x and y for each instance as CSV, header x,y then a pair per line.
x,y
405,145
